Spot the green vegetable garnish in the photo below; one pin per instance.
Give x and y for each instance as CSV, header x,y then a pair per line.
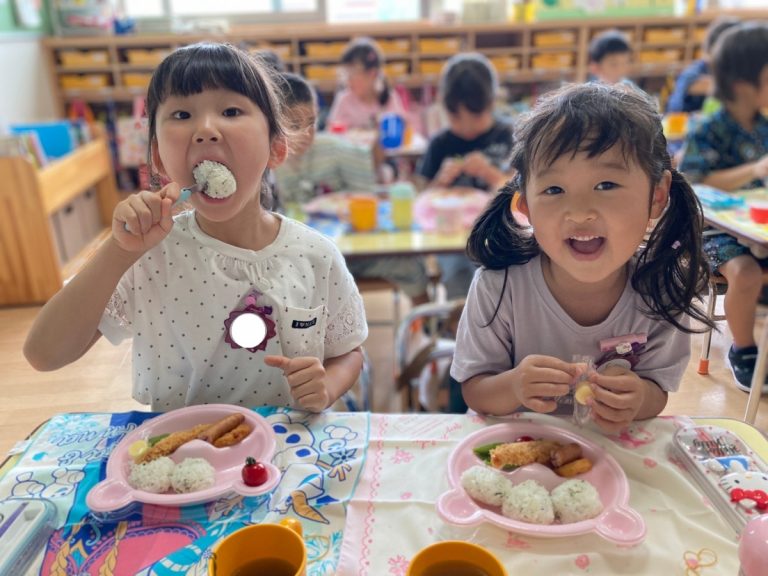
x,y
155,439
484,452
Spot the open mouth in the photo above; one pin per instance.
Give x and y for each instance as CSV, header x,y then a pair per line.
x,y
586,245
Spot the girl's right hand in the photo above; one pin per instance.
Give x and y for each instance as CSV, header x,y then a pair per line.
x,y
538,380
143,219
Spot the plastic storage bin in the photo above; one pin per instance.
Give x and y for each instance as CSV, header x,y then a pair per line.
x,y
77,58
24,530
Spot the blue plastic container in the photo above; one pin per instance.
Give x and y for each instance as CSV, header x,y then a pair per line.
x,y
391,130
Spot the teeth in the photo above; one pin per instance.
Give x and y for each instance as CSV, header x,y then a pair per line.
x,y
583,238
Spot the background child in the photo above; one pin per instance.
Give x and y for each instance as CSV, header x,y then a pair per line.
x,y
319,163
367,94
175,284
729,150
593,170
695,83
472,152
610,57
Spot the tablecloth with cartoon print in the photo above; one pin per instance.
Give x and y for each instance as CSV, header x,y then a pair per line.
x,y
320,457
393,514
365,488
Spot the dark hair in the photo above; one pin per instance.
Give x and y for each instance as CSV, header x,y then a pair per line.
x,y
366,52
716,29
671,268
295,90
740,55
192,69
609,42
271,59
468,80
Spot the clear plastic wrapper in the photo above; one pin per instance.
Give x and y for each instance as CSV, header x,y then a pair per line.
x,y
582,391
25,526
734,477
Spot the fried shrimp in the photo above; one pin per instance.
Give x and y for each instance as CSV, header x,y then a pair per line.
x,y
171,443
516,454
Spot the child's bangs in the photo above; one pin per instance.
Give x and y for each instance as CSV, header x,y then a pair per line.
x,y
571,134
211,67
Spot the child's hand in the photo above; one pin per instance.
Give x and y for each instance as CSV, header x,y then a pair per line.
x,y
619,395
761,168
450,169
538,380
306,377
142,220
477,165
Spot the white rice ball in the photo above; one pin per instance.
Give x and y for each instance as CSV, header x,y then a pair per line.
x,y
576,500
192,474
154,476
529,502
219,181
485,485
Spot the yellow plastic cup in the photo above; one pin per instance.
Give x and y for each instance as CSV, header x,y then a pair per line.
x,y
261,548
455,557
362,213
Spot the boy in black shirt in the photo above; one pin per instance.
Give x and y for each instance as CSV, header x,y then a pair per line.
x,y
473,152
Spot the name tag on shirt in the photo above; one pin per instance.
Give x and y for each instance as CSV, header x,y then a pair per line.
x,y
303,324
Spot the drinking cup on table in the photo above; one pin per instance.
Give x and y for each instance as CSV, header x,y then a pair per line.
x,y
676,124
753,546
455,558
391,130
758,211
362,213
274,549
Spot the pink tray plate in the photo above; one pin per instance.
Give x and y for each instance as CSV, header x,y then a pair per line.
x,y
114,492
617,522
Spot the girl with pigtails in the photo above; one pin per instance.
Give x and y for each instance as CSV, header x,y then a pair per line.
x,y
609,269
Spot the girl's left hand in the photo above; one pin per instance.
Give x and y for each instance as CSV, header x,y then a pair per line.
x,y
306,377
619,395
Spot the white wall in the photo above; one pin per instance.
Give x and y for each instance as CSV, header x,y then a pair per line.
x,y
25,94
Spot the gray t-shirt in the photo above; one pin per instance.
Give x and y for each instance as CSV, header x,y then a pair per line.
x,y
530,321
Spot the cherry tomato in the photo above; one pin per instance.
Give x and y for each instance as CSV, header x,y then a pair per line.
x,y
254,473
524,439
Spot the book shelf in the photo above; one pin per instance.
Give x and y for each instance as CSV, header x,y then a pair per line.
x,y
30,267
117,68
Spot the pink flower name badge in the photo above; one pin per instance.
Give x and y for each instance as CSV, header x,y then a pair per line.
x,y
250,327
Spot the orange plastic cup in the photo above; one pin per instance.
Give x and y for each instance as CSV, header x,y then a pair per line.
x,y
455,557
362,213
261,549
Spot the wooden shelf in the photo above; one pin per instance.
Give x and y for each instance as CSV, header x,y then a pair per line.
x,y
496,39
30,271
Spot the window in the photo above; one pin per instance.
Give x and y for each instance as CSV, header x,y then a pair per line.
x,y
246,11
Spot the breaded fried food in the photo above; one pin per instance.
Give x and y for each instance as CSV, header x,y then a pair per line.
x,y
574,468
218,429
233,436
171,443
516,454
565,454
